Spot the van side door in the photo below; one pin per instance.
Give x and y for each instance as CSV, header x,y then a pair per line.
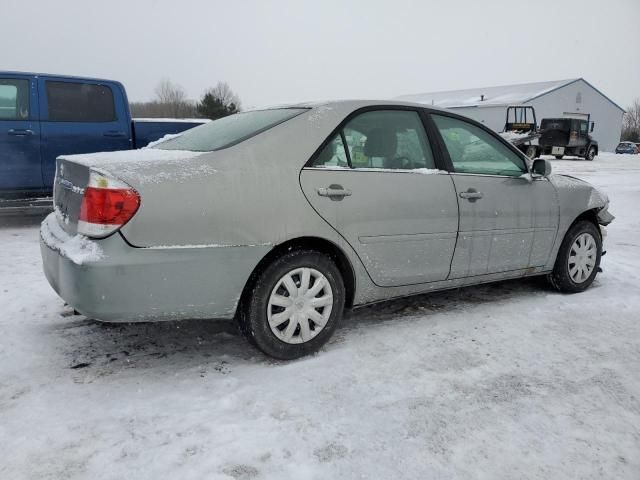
x,y
19,134
81,116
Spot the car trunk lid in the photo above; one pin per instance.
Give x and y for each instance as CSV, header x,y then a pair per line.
x,y
135,167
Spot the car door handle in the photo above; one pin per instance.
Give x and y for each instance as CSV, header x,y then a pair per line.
x,y
115,133
472,195
18,132
334,192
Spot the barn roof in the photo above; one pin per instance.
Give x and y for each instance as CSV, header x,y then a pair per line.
x,y
493,96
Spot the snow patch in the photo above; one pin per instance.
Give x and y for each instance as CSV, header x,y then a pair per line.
x,y
78,248
172,120
210,245
318,113
146,165
146,156
166,137
511,136
422,171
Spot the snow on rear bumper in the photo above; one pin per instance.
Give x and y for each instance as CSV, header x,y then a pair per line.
x,y
128,284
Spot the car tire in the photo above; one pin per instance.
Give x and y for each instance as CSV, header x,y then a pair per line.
x,y
558,157
582,248
277,324
591,154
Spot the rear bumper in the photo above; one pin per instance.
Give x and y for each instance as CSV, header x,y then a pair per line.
x,y
123,283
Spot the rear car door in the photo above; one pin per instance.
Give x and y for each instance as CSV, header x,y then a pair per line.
x,y
81,116
375,180
19,134
507,221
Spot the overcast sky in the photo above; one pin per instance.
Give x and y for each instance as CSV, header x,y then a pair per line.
x,y
276,51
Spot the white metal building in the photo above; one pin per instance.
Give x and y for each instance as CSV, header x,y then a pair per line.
x,y
561,98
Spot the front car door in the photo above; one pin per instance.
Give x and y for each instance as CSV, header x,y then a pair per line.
x,y
19,135
375,181
80,116
508,221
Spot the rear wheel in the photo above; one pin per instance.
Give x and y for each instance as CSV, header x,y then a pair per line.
x,y
578,259
591,154
559,157
296,304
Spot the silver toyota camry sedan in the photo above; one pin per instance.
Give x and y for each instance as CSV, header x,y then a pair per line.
x,y
281,218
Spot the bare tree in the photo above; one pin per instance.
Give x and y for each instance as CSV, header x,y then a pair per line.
x,y
222,91
218,102
172,96
631,123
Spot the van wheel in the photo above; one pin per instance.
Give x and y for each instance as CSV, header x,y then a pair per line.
x,y
296,305
558,157
578,259
591,154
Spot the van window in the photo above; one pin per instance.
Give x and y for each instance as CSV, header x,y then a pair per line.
x,y
80,102
14,99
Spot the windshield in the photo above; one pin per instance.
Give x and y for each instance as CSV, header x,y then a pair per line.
x,y
228,131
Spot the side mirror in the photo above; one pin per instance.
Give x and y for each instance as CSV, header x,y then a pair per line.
x,y
541,167
593,124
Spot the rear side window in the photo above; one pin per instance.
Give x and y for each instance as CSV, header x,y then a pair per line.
x,y
80,102
380,139
228,131
14,99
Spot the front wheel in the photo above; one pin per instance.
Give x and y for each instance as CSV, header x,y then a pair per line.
x,y
578,259
296,304
591,154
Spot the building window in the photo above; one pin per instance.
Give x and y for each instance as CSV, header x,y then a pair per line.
x,y
579,97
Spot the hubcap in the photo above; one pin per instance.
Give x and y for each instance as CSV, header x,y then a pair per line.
x,y
300,305
582,258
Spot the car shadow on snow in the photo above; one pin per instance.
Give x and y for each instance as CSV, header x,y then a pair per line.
x,y
216,346
449,300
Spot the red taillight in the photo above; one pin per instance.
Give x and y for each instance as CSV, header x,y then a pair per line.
x,y
107,205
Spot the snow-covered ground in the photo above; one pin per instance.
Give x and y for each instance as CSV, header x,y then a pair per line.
x,y
503,381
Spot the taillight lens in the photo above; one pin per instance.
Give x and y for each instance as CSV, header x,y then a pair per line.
x,y
107,204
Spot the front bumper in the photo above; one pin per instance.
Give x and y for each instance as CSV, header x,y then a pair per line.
x,y
125,283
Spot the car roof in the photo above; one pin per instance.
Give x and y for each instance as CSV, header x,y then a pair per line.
x,y
354,104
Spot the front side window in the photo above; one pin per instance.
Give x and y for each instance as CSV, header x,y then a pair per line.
x,y
14,99
228,131
80,102
473,150
380,139
583,127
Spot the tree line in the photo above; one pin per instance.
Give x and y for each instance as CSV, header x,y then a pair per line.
x,y
631,123
171,101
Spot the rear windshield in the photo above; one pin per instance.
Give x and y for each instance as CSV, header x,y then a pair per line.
x,y
228,131
555,124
